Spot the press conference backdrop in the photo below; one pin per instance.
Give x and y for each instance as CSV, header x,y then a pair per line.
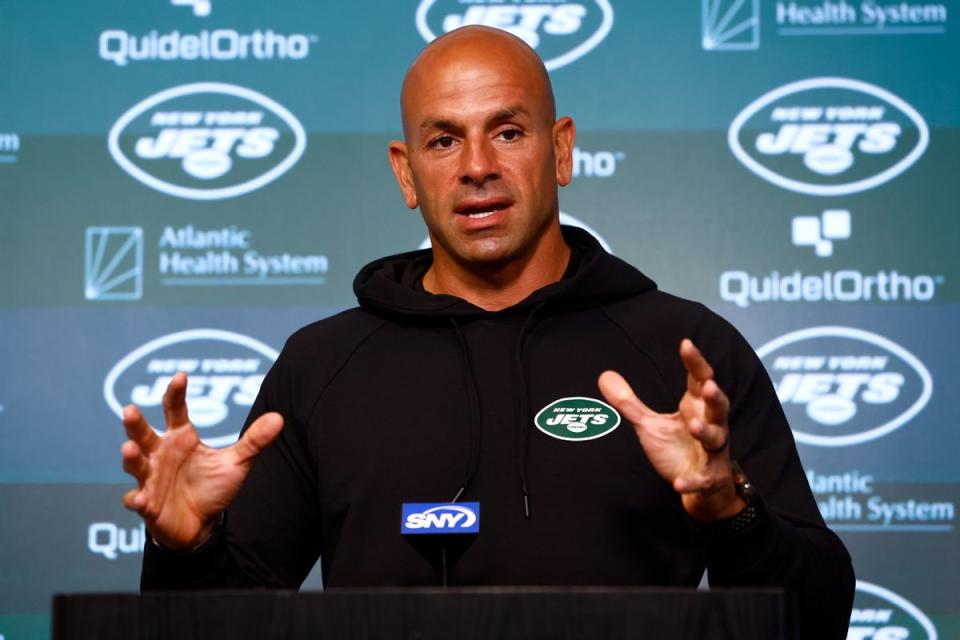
x,y
186,182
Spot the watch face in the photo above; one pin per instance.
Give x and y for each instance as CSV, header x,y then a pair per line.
x,y
742,482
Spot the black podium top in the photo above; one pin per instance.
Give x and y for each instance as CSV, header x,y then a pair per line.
x,y
428,614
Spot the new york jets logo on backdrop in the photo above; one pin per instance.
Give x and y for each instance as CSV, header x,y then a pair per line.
x,y
880,614
828,136
577,418
207,141
559,30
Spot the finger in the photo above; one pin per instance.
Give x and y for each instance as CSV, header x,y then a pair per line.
x,y
697,366
712,437
717,403
618,393
138,429
696,483
134,462
258,435
175,401
135,500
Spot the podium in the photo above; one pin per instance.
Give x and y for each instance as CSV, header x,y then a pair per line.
x,y
430,614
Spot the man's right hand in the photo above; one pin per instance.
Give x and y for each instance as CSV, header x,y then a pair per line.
x,y
184,485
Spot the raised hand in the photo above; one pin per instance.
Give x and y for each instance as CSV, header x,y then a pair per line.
x,y
184,485
689,447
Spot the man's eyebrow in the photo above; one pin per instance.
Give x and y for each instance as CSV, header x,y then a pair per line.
x,y
439,123
445,124
508,113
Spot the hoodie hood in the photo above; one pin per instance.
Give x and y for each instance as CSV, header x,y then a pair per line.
x,y
388,286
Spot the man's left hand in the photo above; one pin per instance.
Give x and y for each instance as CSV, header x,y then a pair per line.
x,y
689,448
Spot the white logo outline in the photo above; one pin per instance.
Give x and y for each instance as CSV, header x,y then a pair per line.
x,y
300,141
178,337
899,601
876,340
800,186
469,513
577,52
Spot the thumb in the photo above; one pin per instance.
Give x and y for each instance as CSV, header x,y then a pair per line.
x,y
618,393
258,435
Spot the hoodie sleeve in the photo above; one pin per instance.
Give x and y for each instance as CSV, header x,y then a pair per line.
x,y
789,544
270,536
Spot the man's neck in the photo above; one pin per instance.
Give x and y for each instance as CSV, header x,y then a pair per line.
x,y
496,287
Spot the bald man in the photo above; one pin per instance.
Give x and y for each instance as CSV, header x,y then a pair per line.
x,y
471,372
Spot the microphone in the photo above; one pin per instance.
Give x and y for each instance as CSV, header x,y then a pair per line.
x,y
440,529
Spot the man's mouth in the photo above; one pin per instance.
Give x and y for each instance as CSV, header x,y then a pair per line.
x,y
478,209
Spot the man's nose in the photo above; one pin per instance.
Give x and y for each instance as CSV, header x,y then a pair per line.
x,y
478,162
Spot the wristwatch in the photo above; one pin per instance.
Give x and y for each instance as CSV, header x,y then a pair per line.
x,y
751,513
746,519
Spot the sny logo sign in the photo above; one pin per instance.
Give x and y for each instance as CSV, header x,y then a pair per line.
x,y
432,517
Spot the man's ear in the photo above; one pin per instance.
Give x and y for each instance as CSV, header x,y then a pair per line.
x,y
400,162
564,134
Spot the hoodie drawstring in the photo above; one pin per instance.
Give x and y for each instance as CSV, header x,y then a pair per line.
x,y
473,404
522,442
523,433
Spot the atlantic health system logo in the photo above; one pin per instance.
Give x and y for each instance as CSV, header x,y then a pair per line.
x,y
560,31
734,25
113,263
828,136
207,141
730,25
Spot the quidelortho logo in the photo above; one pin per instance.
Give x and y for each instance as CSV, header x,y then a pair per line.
x,y
881,614
559,30
113,263
843,285
201,8
220,45
596,164
828,136
225,370
9,147
842,386
854,501
577,418
432,518
820,232
207,141
122,47
730,25
111,540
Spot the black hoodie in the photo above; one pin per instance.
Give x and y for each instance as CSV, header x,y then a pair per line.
x,y
414,397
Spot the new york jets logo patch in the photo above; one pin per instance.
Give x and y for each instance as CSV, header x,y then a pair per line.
x,y
577,419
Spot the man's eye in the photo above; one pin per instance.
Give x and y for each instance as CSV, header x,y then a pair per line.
x,y
443,142
511,134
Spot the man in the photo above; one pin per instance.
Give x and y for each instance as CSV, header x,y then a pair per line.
x,y
428,391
